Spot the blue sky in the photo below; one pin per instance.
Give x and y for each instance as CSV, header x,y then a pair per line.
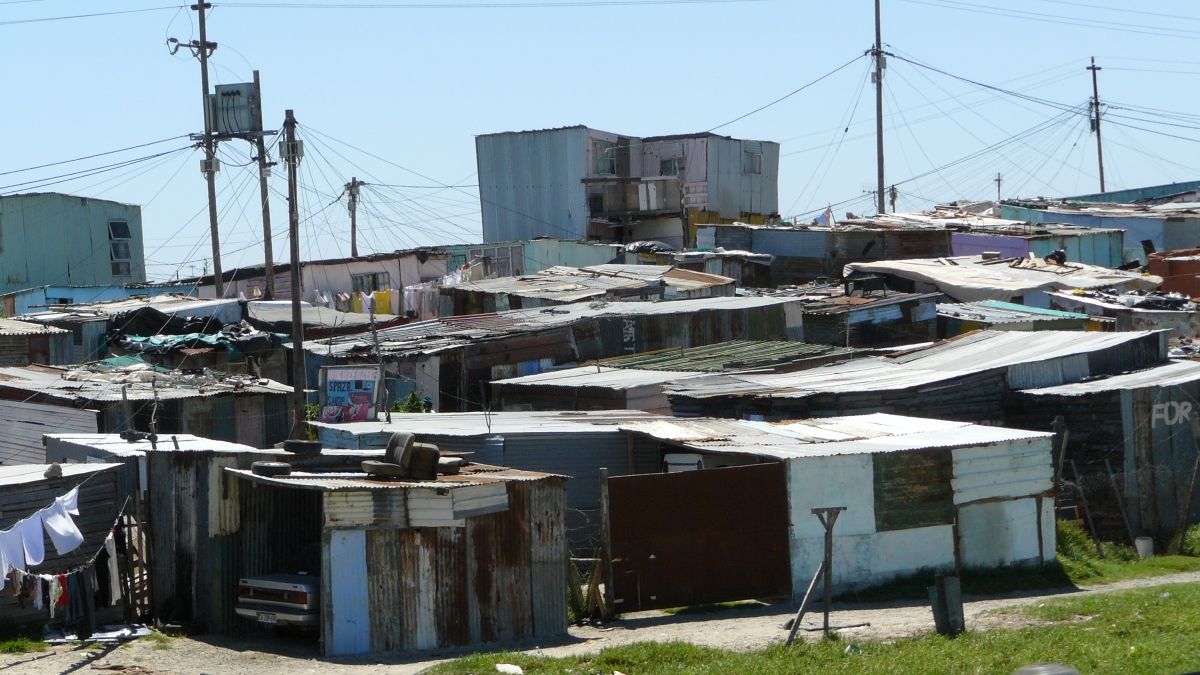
x,y
413,87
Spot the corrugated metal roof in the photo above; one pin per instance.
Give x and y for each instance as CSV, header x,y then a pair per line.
x,y
119,447
733,355
824,437
427,337
24,474
994,311
571,284
355,481
1166,375
598,376
488,424
972,353
13,327
82,384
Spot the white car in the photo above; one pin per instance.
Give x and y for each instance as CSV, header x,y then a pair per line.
x,y
280,599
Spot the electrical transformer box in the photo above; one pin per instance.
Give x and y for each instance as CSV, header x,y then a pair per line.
x,y
234,111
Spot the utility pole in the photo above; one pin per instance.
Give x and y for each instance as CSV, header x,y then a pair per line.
x,y
997,181
352,204
892,195
1096,120
210,151
880,64
264,172
292,153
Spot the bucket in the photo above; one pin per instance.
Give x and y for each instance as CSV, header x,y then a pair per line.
x,y
1144,546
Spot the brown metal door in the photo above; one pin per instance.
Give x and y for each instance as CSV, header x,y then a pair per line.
x,y
698,537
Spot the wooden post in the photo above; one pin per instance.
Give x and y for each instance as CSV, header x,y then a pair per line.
x,y
606,539
1041,538
1087,512
828,516
1120,502
804,606
574,596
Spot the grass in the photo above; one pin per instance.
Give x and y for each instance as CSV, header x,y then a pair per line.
x,y
20,639
1141,632
160,641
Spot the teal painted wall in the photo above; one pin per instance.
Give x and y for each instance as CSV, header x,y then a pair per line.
x,y
55,239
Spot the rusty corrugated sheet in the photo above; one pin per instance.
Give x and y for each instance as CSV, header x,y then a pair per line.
x,y
418,618
384,572
499,552
363,508
700,536
277,524
548,556
452,604
912,489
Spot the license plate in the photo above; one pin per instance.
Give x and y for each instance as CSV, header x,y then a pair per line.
x,y
267,617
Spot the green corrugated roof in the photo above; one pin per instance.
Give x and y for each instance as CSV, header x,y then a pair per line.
x,y
734,355
996,304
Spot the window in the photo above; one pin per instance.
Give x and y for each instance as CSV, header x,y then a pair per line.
x,y
670,167
371,282
752,158
39,350
119,248
605,153
502,261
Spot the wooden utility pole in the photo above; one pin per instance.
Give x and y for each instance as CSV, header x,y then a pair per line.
x,y
210,150
264,172
292,153
1096,119
828,516
998,181
880,64
352,204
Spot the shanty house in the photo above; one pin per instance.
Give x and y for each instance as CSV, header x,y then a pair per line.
x,y
917,494
515,258
23,343
1139,422
40,400
575,444
27,489
956,319
467,559
452,359
1165,227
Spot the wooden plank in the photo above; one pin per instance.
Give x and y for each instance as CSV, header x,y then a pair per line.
x,y
383,589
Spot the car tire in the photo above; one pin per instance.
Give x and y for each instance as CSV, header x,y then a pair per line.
x,y
270,469
303,447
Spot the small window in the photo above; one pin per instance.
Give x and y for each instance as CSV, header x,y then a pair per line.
x,y
120,269
752,159
605,153
517,255
39,350
118,229
120,250
371,282
77,334
670,167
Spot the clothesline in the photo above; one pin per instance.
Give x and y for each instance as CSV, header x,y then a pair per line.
x,y
92,559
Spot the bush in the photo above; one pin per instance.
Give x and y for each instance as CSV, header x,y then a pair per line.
x,y
1191,541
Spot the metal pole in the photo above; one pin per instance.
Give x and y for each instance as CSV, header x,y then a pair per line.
x,y
264,167
1096,109
210,155
298,372
879,66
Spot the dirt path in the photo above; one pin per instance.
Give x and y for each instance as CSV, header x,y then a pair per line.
x,y
737,629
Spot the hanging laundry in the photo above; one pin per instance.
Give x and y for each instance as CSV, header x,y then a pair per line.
x,y
71,501
74,598
56,591
103,588
61,598
114,576
37,592
62,530
25,596
33,539
12,549
87,624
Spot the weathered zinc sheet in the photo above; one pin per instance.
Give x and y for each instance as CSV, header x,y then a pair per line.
x,y
530,184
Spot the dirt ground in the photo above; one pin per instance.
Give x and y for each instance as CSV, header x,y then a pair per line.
x,y
736,629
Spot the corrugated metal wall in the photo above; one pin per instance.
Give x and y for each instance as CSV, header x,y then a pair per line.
x,y
530,184
25,423
99,503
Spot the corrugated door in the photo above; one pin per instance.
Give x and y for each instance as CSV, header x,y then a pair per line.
x,y
347,625
249,416
699,537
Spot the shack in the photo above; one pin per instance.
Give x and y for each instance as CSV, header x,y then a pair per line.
x,y
749,270
962,379
23,343
866,319
25,490
956,319
575,444
1026,281
918,494
451,359
1139,423
40,399
478,557
1141,311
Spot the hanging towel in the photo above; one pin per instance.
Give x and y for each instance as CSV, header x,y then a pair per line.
x,y
33,539
55,593
114,580
12,548
37,592
61,528
71,501
87,623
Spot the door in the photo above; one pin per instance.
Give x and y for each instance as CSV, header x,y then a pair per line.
x,y
249,416
698,537
347,619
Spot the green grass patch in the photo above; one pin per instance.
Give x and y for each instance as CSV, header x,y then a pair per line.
x,y
21,645
160,641
715,607
1140,632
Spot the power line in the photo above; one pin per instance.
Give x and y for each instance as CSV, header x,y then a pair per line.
x,y
99,154
787,96
14,22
